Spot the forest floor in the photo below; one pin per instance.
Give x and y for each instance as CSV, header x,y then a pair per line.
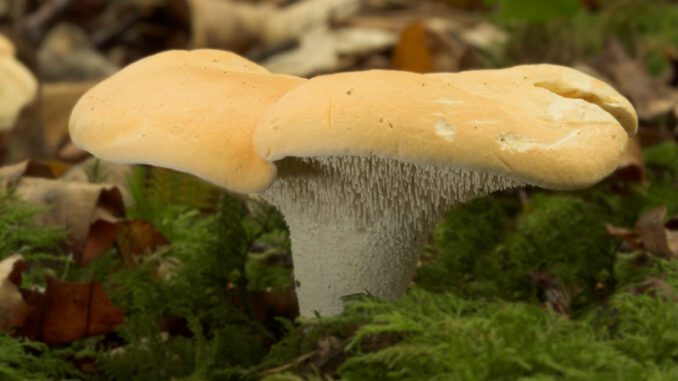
x,y
117,272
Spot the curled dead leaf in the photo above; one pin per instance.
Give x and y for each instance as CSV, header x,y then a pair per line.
x,y
13,309
135,238
658,237
413,52
651,233
631,167
69,311
72,205
57,101
650,97
10,174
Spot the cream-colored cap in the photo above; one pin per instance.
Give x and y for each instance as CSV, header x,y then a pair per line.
x,y
190,111
544,125
18,86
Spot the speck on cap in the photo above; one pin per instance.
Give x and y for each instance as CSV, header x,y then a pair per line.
x,y
18,86
544,125
191,111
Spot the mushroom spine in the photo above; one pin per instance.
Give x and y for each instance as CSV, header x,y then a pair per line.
x,y
357,224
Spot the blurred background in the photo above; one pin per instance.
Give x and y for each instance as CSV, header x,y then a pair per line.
x,y
68,45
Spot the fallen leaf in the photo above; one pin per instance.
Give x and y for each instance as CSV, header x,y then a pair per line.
x,y
57,102
650,97
413,52
73,205
70,153
94,170
10,174
13,309
67,54
135,238
630,236
268,306
325,50
240,26
101,238
18,88
69,311
658,237
631,167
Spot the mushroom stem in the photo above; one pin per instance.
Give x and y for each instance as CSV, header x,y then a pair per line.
x,y
357,224
337,258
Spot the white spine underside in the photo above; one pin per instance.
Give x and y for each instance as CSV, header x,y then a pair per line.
x,y
357,224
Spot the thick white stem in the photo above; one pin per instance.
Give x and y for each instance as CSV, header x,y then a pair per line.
x,y
334,259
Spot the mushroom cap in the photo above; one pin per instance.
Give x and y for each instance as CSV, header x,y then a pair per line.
x,y
540,124
190,111
18,86
6,46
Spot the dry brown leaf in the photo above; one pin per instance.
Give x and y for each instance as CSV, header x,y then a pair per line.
x,y
72,205
102,235
266,306
650,97
135,238
58,99
631,166
651,233
18,88
13,309
238,26
67,54
413,52
658,237
324,50
10,174
432,46
109,173
226,24
630,236
70,153
451,52
68,311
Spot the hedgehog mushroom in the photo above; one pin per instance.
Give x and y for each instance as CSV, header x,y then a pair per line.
x,y
18,87
189,111
369,161
361,164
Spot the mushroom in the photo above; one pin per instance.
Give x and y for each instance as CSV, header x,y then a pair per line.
x,y
361,164
18,87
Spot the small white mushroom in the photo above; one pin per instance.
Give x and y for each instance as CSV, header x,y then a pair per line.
x,y
361,164
18,86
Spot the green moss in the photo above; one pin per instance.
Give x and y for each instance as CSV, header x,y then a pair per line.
x,y
662,168
441,336
463,248
480,255
22,360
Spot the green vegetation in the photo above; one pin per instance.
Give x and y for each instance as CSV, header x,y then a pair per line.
x,y
479,309
566,32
